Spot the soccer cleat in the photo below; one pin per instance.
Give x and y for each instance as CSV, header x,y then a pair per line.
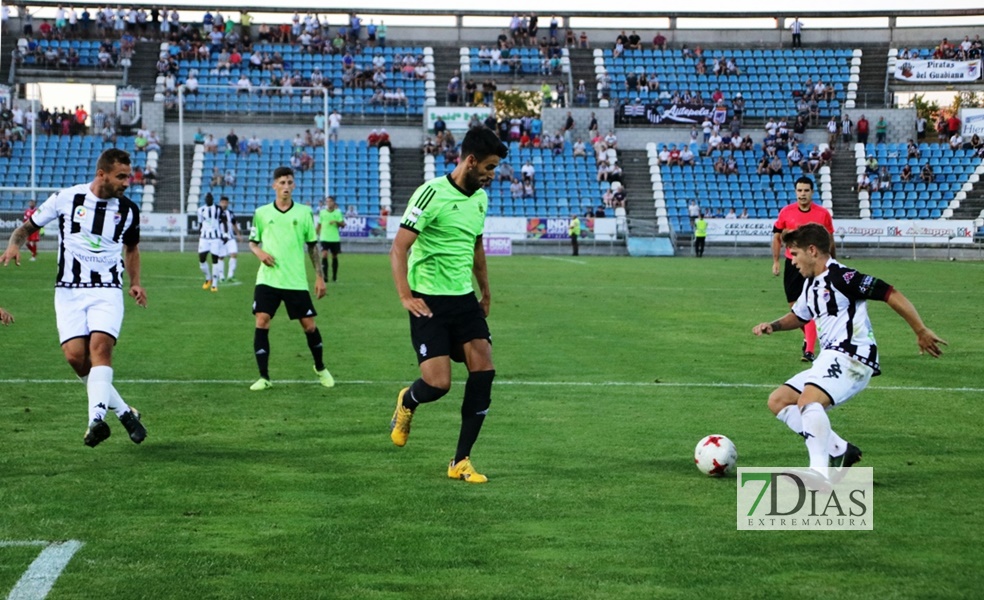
x,y
131,421
98,431
808,357
207,284
325,377
400,424
464,470
230,280
261,384
33,259
214,289
851,457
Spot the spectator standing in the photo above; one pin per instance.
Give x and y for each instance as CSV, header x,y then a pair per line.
x,y
863,129
920,127
700,235
797,28
881,130
574,230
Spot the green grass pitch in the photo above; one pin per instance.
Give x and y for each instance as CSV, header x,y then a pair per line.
x,y
609,371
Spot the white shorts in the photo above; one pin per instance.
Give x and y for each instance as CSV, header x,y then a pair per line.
x,y
215,247
231,247
837,374
82,311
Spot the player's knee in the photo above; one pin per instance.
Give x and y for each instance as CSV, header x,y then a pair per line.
x,y
202,256
780,399
262,321
424,391
78,362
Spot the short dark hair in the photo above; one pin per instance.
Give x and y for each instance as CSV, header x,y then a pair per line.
x,y
482,142
111,157
221,198
805,180
811,234
282,172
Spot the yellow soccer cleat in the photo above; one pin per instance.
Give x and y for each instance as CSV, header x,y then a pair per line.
x,y
214,289
207,284
464,470
325,377
261,384
400,424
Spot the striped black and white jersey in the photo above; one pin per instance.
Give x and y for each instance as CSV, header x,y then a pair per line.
x,y
91,235
228,224
210,220
837,301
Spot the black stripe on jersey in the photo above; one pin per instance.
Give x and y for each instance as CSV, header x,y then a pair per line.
x,y
76,203
76,272
831,298
61,248
425,198
95,279
99,219
852,309
125,205
116,276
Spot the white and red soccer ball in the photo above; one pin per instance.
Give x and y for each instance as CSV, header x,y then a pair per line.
x,y
715,456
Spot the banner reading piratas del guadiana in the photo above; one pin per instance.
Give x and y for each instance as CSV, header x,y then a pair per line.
x,y
927,71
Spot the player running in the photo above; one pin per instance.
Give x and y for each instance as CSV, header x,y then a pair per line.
x,y
231,233
330,220
211,240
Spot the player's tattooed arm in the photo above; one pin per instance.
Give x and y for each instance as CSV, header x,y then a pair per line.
x,y
315,259
20,235
776,325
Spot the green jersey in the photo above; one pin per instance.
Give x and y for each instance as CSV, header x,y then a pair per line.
x,y
284,235
575,227
447,223
329,230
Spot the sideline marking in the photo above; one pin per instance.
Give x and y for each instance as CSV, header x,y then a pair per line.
x,y
40,577
569,260
681,384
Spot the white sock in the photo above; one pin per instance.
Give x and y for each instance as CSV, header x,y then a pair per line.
x,y
116,402
836,445
204,267
791,417
232,267
216,273
98,384
816,427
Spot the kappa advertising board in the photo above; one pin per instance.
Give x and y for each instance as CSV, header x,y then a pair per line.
x,y
870,231
930,71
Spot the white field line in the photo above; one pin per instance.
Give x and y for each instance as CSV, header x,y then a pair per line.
x,y
567,260
40,577
639,384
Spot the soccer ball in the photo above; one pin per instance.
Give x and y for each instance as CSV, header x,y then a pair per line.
x,y
715,456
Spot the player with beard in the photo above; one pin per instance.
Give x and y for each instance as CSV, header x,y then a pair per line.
x,y
434,256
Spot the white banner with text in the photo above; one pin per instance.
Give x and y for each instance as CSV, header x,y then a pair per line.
x,y
870,231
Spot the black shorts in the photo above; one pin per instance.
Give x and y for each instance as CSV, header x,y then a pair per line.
x,y
333,247
792,281
267,300
456,320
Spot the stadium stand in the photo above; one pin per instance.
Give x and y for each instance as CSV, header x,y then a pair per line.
x,y
353,176
86,53
564,184
346,99
915,199
65,161
767,78
761,196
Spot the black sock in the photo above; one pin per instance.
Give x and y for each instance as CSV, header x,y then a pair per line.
x,y
317,350
334,269
261,348
324,267
421,392
478,397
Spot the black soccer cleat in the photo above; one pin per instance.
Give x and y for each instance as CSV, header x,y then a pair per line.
x,y
851,457
97,432
131,421
808,357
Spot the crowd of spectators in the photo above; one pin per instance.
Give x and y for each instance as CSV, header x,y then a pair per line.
x,y
966,49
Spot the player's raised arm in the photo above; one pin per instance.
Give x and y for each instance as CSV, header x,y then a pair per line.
x,y
927,340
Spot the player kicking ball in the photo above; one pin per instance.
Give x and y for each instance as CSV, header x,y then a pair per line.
x,y
835,296
434,256
98,233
